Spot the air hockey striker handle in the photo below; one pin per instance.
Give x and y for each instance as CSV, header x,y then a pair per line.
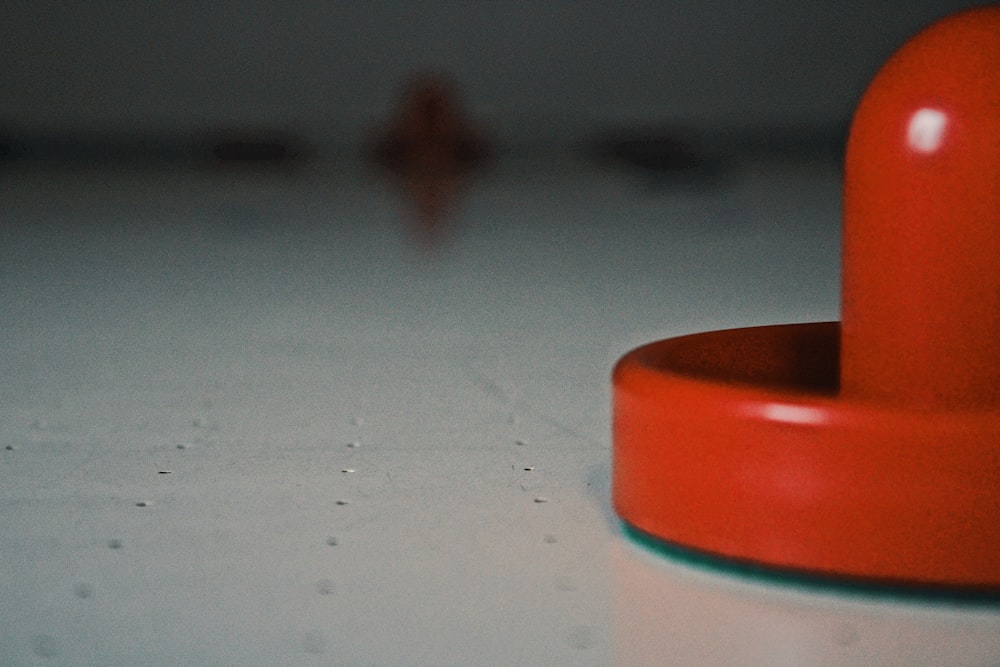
x,y
866,450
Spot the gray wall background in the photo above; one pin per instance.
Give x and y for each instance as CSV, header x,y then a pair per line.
x,y
532,71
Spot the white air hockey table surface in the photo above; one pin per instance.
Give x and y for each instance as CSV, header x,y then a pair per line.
x,y
246,418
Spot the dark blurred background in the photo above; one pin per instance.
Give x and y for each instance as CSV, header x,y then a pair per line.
x,y
169,77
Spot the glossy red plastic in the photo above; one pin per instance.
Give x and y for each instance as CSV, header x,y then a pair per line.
x,y
867,449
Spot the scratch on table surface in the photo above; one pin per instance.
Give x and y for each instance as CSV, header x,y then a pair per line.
x,y
495,390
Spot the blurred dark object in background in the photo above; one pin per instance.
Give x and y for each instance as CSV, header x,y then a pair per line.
x,y
668,156
251,151
429,132
430,149
256,146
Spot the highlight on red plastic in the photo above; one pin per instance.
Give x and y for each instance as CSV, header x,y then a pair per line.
x,y
866,449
